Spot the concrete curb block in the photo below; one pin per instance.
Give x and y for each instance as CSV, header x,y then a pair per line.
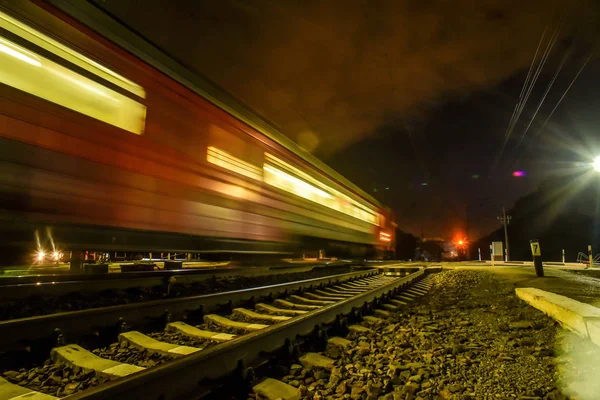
x,y
581,318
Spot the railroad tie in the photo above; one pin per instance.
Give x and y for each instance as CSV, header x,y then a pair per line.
x,y
359,329
275,310
10,391
294,306
261,317
383,313
225,322
76,356
372,320
321,297
151,345
193,332
333,292
310,301
273,389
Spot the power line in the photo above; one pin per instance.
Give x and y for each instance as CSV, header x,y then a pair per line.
x,y
561,98
543,98
527,88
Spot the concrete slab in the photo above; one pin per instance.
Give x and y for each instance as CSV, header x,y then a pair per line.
x,y
422,287
372,320
390,307
10,391
316,360
311,301
339,342
222,321
259,317
398,303
347,290
295,306
76,356
404,298
274,389
192,331
322,297
382,313
408,295
358,329
416,292
281,311
336,292
333,295
571,314
143,342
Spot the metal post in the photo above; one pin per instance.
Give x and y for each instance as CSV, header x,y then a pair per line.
x,y
590,255
479,252
492,254
563,256
150,256
505,233
75,263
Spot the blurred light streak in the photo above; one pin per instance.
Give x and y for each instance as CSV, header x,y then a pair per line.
x,y
17,52
39,76
226,160
53,46
518,174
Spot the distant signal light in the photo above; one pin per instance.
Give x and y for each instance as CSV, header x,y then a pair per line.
x,y
518,174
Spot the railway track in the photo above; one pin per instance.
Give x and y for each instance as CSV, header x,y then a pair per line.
x,y
165,349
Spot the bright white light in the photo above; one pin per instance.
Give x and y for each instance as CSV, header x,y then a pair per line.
x,y
596,164
41,255
56,255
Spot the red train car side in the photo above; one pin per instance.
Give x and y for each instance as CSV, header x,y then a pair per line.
x,y
113,154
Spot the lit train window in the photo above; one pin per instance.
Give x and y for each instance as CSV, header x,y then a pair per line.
x,y
226,160
286,177
32,73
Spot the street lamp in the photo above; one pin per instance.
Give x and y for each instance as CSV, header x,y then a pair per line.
x,y
596,164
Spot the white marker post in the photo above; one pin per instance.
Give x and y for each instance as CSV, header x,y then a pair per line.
x,y
536,252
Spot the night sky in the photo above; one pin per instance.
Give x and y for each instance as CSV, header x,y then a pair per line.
x,y
412,96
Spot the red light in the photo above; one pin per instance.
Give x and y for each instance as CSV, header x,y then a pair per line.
x,y
518,174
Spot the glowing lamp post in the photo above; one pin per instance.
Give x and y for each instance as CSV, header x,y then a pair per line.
x,y
596,164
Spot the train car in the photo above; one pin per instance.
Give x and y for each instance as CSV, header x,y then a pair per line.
x,y
107,144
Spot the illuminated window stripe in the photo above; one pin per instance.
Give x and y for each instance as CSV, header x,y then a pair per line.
x,y
41,77
226,160
337,200
47,43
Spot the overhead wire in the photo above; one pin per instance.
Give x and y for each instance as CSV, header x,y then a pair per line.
x,y
528,86
541,102
537,133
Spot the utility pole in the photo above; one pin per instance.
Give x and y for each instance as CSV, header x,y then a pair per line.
x,y
505,220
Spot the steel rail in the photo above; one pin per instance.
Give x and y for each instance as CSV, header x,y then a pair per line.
x,y
57,285
182,378
76,324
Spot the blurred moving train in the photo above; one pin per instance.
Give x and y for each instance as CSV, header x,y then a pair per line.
x,y
110,145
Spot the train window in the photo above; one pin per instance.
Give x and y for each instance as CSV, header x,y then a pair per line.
x,y
286,177
32,73
226,160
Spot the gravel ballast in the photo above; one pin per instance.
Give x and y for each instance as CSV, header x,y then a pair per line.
x,y
470,337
